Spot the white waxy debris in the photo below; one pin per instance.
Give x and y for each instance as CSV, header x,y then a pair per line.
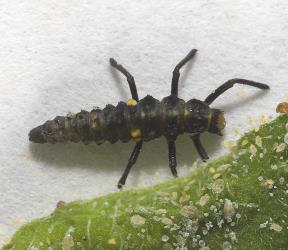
x,y
137,220
217,186
276,227
263,225
204,199
190,212
253,149
228,209
261,155
238,216
281,147
227,245
165,238
286,138
166,221
258,141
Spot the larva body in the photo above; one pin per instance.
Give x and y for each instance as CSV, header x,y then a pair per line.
x,y
146,120
143,120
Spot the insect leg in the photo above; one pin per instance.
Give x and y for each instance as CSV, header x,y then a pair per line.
x,y
199,147
172,157
176,73
131,162
229,84
130,78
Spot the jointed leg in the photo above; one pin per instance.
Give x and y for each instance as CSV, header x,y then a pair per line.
x,y
176,73
131,162
199,147
172,157
129,77
229,84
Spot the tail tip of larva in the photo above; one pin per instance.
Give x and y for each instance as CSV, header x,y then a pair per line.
x,y
36,135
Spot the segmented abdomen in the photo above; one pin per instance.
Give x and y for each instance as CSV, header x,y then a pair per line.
x,y
145,120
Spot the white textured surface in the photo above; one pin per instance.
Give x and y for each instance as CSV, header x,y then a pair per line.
x,y
54,59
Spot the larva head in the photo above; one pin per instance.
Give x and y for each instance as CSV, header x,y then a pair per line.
x,y
217,123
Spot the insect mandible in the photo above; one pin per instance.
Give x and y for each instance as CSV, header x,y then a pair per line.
x,y
143,120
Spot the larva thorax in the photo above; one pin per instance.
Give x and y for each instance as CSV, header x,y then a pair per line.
x,y
143,120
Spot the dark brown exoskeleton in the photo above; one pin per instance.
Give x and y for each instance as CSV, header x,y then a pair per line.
x,y
142,120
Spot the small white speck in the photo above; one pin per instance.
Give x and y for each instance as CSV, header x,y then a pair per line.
x,y
201,243
238,216
226,245
260,178
165,238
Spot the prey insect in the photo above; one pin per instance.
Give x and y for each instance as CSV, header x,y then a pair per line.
x,y
143,120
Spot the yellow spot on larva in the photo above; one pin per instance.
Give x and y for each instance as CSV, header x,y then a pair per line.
x,y
112,241
142,114
186,113
136,134
131,102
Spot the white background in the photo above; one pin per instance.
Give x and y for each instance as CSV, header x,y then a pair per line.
x,y
54,60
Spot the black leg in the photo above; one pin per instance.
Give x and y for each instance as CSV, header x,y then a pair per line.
x,y
199,147
129,77
229,84
172,157
176,73
131,162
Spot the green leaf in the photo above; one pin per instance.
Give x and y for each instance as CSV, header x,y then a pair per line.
x,y
239,201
